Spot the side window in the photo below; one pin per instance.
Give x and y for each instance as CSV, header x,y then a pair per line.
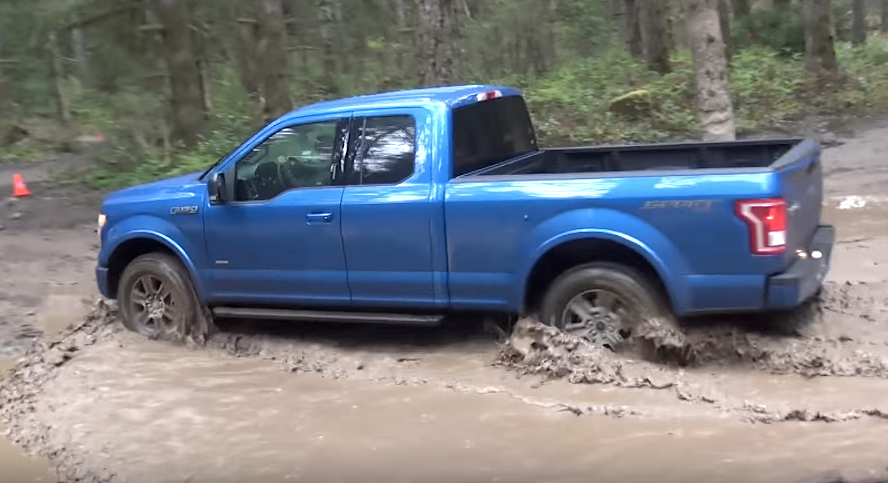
x,y
294,157
385,150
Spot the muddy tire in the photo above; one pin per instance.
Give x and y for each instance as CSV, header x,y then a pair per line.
x,y
603,303
156,298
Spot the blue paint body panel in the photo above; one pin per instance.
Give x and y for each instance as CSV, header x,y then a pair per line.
x,y
432,243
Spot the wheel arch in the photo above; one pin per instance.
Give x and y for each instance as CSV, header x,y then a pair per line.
x,y
560,255
142,243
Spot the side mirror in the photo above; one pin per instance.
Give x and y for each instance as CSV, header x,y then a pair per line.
x,y
216,188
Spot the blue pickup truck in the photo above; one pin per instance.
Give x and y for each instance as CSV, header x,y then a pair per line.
x,y
416,205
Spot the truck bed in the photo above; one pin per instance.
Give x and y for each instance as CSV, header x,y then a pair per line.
x,y
650,157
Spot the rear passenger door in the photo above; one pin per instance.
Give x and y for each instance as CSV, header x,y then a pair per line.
x,y
388,213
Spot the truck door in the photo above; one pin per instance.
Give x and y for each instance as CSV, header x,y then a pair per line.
x,y
279,241
392,217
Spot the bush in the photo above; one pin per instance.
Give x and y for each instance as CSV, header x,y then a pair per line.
x,y
581,102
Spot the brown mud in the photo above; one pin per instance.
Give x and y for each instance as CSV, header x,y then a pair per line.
x,y
744,398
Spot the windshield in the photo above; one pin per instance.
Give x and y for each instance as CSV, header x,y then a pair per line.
x,y
489,132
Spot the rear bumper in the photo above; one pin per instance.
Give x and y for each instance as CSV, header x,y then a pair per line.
x,y
805,276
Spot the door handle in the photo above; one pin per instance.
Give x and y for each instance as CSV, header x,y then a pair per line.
x,y
319,217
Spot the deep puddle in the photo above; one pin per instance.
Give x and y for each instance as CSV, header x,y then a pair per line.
x,y
189,416
16,466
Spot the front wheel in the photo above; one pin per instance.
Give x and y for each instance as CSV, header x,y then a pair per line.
x,y
603,303
156,298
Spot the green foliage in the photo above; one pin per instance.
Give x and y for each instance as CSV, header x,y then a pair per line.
x,y
568,57
780,31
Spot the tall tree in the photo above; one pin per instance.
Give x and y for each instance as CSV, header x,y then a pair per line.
x,y
2,80
858,22
327,22
884,15
186,97
820,52
438,36
652,23
741,8
271,49
724,17
631,30
57,72
715,109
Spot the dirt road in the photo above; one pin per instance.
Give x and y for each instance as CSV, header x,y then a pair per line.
x,y
354,403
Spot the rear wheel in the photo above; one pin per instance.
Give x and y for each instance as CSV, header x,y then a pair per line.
x,y
155,297
603,303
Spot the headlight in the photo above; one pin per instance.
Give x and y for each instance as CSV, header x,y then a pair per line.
x,y
101,223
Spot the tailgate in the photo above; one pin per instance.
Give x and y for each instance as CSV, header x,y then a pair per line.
x,y
801,177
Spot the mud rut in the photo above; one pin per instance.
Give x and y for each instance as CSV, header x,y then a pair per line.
x,y
844,333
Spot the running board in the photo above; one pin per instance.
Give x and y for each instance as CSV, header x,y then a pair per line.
x,y
322,316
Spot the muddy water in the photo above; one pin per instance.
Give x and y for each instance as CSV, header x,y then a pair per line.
x,y
300,427
16,466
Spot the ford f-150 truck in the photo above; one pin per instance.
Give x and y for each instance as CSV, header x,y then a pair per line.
x,y
414,205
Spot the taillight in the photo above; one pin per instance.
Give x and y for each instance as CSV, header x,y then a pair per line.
x,y
484,96
767,224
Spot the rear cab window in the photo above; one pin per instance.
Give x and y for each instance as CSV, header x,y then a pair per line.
x,y
489,132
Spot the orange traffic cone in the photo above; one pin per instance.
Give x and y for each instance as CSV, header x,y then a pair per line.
x,y
19,188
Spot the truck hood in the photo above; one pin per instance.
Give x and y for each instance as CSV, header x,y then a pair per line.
x,y
156,190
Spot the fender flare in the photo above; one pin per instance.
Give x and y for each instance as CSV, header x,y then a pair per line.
x,y
161,238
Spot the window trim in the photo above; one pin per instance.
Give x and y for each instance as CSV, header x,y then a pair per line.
x,y
335,159
355,143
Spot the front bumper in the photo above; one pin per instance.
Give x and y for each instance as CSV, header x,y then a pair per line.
x,y
102,282
805,276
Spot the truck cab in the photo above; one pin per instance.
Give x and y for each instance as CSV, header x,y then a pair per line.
x,y
410,206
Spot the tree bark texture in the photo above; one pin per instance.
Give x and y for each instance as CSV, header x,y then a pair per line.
x,y
858,22
652,23
273,65
186,98
60,95
820,52
438,36
715,109
741,8
724,19
631,30
884,16
327,19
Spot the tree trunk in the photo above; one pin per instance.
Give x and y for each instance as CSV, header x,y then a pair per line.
x,y
884,20
402,17
327,21
2,81
724,19
78,46
186,100
58,78
741,8
271,47
631,30
438,36
652,24
715,108
246,57
858,22
820,52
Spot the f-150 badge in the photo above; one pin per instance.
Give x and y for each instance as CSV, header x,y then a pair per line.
x,y
183,210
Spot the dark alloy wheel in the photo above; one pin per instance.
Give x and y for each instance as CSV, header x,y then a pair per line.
x,y
156,298
602,303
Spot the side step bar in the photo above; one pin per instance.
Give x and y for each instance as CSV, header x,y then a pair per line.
x,y
323,316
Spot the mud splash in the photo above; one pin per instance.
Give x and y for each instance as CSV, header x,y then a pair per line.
x,y
842,333
21,387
